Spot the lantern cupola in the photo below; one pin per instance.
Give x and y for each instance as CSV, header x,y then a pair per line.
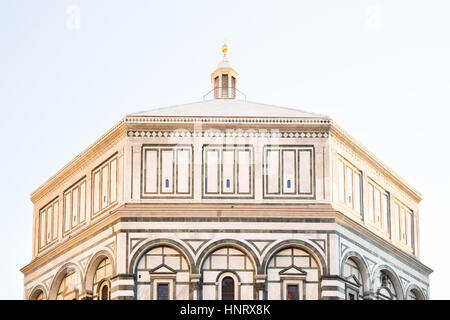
x,y
224,78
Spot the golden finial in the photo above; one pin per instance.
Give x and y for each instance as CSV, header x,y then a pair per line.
x,y
225,48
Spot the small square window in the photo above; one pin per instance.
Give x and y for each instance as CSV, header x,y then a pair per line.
x,y
163,291
292,292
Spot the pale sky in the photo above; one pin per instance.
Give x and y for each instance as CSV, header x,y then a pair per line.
x,y
381,69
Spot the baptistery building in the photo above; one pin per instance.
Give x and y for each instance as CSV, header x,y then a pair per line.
x,y
226,199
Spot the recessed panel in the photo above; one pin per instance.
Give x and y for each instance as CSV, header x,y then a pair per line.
x,y
288,172
244,172
234,177
377,206
113,180
49,223
42,227
212,171
341,179
288,166
104,199
228,171
370,203
166,171
96,192
357,191
67,211
305,180
349,186
82,202
75,207
273,170
151,171
183,171
167,174
55,220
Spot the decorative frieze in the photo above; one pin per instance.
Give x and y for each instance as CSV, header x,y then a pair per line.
x,y
231,120
222,134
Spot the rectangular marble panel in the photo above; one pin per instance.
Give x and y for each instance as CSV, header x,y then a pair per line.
x,y
42,227
228,171
75,201
55,219
305,172
96,192
273,169
151,171
105,177
237,262
182,292
113,181
183,171
212,171
209,292
67,211
247,292
243,172
82,202
288,169
49,219
167,174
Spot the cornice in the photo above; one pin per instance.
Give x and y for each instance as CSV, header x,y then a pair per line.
x,y
72,241
137,126
80,160
344,137
324,210
225,120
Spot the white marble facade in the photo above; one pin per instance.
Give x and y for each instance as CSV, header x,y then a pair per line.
x,y
226,199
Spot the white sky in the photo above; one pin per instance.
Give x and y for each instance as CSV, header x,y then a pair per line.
x,y
381,69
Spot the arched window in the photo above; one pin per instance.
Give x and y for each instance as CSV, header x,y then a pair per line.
x,y
101,280
387,288
161,274
354,286
412,295
223,263
104,291
40,296
228,288
69,287
37,295
292,274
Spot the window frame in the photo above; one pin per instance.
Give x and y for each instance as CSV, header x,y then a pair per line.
x,y
405,225
344,167
43,224
157,279
70,191
237,285
102,208
378,209
298,280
